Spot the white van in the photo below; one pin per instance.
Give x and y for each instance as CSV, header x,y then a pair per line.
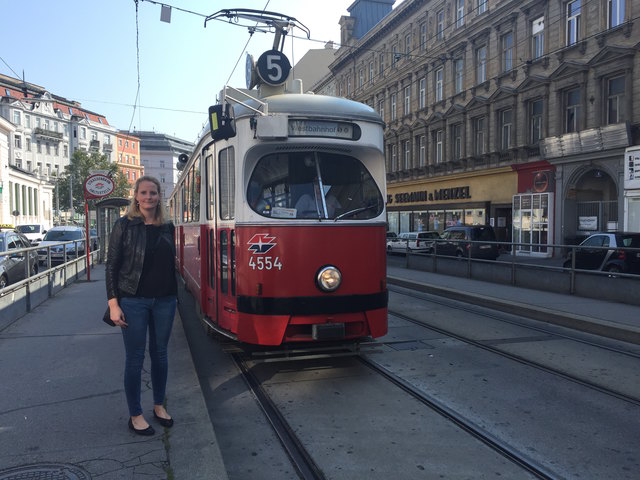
x,y
33,231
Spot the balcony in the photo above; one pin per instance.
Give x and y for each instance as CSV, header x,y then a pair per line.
x,y
107,147
94,145
46,134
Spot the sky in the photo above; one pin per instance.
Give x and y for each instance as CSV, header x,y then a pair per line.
x,y
90,51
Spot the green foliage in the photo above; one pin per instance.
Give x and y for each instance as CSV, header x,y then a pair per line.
x,y
81,166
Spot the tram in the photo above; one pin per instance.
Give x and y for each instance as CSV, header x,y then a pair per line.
x,y
280,216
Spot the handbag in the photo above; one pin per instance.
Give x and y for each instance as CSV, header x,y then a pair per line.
x,y
106,318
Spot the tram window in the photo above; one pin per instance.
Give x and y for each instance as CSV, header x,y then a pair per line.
x,y
226,179
224,264
210,187
195,191
313,185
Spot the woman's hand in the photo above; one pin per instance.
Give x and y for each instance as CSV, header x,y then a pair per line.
x,y
116,314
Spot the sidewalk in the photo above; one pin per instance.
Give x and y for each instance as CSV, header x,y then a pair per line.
x,y
614,320
63,412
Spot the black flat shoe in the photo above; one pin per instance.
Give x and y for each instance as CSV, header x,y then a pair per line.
x,y
146,432
165,422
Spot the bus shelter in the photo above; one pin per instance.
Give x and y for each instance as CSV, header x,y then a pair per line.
x,y
107,212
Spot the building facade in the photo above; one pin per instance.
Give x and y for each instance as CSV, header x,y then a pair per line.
x,y
47,129
514,114
159,155
128,157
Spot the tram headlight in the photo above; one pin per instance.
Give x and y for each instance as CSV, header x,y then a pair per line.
x,y
329,278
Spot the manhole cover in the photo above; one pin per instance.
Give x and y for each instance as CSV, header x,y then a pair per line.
x,y
45,471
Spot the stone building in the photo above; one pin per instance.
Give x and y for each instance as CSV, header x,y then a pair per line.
x,y
514,114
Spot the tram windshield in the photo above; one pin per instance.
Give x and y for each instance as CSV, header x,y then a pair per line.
x,y
313,185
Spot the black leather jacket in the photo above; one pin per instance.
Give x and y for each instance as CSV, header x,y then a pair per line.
x,y
125,256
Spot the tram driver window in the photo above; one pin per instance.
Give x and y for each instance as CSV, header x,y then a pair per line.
x,y
312,185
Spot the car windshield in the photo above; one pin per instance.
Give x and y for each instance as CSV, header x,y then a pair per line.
x,y
482,233
315,186
29,228
63,235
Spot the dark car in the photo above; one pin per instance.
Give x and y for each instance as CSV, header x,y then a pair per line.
x,y
606,252
58,250
13,264
467,240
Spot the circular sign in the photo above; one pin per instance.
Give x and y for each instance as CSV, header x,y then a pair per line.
x,y
540,182
249,72
273,67
98,186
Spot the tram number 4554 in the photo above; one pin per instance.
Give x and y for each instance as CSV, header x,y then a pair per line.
x,y
265,263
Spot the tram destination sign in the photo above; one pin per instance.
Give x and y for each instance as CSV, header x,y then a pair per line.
x,y
315,128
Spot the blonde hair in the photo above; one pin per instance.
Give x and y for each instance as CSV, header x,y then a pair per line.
x,y
134,208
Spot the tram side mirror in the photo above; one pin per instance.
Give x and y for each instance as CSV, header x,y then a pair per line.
x,y
183,158
222,122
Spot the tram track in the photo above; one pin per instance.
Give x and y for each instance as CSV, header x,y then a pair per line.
x,y
300,459
517,358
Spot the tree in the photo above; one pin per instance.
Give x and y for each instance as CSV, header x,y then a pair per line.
x,y
81,166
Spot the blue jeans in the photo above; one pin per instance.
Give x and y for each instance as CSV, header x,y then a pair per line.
x,y
156,314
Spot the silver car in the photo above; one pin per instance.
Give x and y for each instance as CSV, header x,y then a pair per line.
x,y
53,240
416,242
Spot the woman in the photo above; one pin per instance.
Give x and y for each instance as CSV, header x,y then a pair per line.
x,y
141,288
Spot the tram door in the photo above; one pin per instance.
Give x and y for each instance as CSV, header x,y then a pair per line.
x,y
227,317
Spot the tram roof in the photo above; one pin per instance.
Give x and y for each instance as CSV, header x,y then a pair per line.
x,y
308,104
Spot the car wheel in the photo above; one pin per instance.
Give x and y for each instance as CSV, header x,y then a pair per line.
x,y
3,281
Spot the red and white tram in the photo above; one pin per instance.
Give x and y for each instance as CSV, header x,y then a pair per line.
x,y
280,220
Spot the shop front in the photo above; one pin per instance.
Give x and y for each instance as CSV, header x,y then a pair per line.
x,y
433,205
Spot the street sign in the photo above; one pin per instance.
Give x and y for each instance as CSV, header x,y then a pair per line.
x,y
98,186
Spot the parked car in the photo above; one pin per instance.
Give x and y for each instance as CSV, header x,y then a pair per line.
x,y
418,242
33,231
93,236
592,253
391,236
13,265
460,241
62,234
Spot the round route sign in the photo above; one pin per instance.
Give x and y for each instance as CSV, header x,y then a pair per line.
x,y
98,186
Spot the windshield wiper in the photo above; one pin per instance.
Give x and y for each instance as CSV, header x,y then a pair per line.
x,y
354,212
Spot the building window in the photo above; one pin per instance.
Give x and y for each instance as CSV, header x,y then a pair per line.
x,y
407,100
482,6
83,133
361,78
458,74
395,56
537,38
56,150
27,144
615,13
456,141
572,110
440,24
423,93
161,163
438,84
507,52
349,85
133,145
481,64
438,146
17,117
573,22
27,121
38,147
423,37
381,65
479,133
407,45
17,141
371,73
394,115
459,13
505,128
65,150
381,108
422,142
535,121
615,100
394,158
407,154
